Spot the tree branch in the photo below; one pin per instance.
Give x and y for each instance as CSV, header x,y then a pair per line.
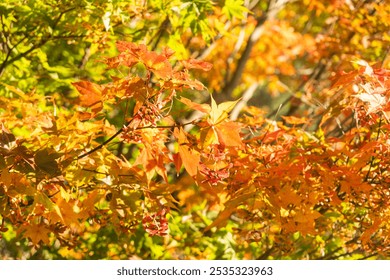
x,y
273,8
101,145
235,79
248,94
43,41
121,130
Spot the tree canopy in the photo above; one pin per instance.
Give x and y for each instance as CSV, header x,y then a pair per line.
x,y
173,129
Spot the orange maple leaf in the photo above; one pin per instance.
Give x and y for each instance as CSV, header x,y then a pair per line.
x,y
68,213
90,95
229,134
365,237
197,64
189,157
36,233
306,221
158,64
204,108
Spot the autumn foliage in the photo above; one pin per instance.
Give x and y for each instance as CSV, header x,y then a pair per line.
x,y
237,130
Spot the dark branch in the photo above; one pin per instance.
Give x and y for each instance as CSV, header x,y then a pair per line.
x,y
121,130
101,145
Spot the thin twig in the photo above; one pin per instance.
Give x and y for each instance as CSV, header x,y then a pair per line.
x,y
121,130
43,41
101,145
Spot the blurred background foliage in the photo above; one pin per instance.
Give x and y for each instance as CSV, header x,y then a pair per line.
x,y
266,52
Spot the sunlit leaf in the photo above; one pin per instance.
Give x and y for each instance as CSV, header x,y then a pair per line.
x,y
220,112
36,233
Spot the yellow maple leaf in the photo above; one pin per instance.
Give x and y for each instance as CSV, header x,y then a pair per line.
x,y
220,112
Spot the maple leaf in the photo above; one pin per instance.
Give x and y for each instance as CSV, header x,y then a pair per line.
x,y
132,53
225,134
221,131
306,221
68,216
204,108
365,237
209,136
158,64
220,112
128,54
88,204
90,95
177,162
136,88
189,157
183,79
43,199
375,101
46,160
152,163
36,233
366,68
123,46
196,64
217,130
230,207
234,8
8,178
156,224
287,196
229,134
